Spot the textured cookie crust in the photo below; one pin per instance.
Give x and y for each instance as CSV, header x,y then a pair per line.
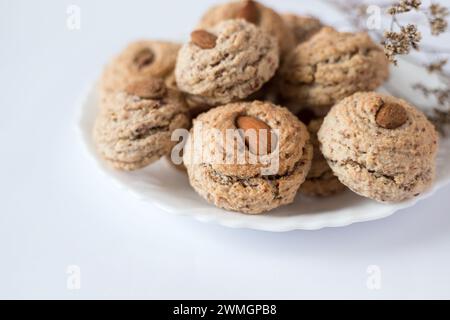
x,y
141,59
303,27
331,66
387,165
321,181
132,132
270,21
244,58
243,187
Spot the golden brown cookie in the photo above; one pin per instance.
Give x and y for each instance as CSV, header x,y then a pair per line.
x,y
226,63
254,12
134,128
379,146
141,59
243,186
331,66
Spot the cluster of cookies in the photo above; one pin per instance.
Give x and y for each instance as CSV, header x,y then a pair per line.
x,y
246,67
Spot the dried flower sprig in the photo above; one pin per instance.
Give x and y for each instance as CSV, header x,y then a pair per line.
x,y
404,6
407,37
437,16
401,39
401,43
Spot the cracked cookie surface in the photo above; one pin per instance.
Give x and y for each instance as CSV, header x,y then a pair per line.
x,y
387,165
242,186
331,66
243,59
140,59
131,131
267,19
321,181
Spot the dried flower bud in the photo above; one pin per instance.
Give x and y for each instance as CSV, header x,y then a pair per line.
x,y
437,19
404,6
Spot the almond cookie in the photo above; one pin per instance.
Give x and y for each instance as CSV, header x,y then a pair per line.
x,y
237,183
226,63
331,66
303,27
256,13
321,181
135,127
380,146
141,59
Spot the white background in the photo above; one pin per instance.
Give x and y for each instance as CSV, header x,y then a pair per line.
x,y
56,210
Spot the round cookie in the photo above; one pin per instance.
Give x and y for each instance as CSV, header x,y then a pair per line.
x,y
321,181
240,184
303,27
254,12
134,129
226,63
141,59
380,146
331,66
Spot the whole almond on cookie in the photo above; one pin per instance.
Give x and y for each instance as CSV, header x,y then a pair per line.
x,y
247,123
152,88
203,39
144,58
249,12
391,116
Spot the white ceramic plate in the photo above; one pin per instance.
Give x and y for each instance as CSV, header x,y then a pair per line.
x,y
168,188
